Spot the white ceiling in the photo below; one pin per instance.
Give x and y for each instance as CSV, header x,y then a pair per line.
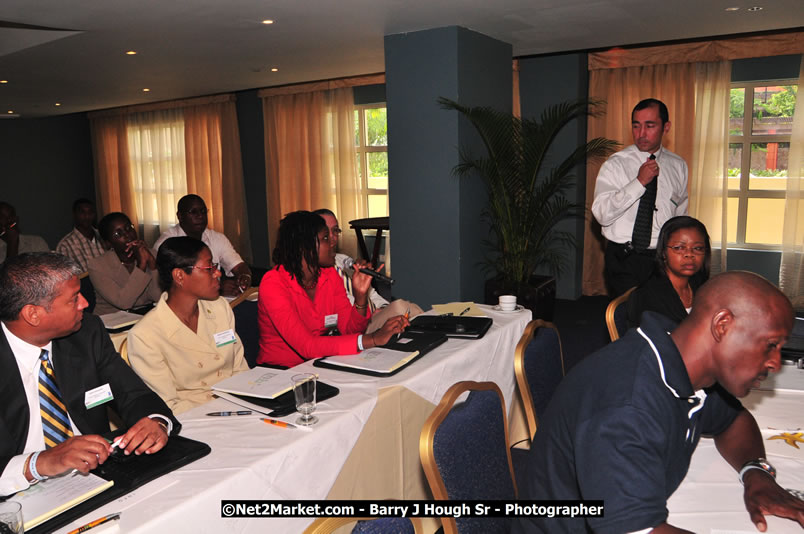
x,y
189,48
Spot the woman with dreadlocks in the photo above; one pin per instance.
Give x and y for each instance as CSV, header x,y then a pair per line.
x,y
303,310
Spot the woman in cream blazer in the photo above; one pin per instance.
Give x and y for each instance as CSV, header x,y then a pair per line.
x,y
188,342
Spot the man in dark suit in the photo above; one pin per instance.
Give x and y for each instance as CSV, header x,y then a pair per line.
x,y
41,325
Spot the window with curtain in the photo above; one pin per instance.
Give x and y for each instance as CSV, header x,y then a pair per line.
x,y
157,161
371,146
760,124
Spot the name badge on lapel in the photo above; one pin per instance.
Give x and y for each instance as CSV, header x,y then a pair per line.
x,y
224,338
98,396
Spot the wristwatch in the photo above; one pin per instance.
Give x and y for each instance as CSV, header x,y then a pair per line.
x,y
759,463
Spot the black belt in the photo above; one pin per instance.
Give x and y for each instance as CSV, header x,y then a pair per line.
x,y
626,249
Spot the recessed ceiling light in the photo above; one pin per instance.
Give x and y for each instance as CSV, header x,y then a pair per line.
x,y
274,69
734,8
267,21
3,81
755,8
146,90
10,111
131,52
58,104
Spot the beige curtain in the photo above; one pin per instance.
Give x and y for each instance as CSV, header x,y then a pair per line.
x,y
707,179
215,169
149,156
310,158
621,89
113,185
791,271
158,171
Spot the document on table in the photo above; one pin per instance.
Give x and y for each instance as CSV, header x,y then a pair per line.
x,y
55,495
119,320
464,309
377,359
260,382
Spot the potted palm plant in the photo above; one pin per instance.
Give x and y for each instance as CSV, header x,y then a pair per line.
x,y
526,198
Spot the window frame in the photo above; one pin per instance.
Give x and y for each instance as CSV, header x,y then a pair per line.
x,y
362,150
746,139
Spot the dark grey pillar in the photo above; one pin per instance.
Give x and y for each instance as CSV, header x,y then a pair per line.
x,y
436,227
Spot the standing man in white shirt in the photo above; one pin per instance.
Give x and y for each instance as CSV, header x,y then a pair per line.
x,y
84,242
637,190
192,215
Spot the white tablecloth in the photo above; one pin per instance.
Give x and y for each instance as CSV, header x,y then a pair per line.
x,y
710,500
254,460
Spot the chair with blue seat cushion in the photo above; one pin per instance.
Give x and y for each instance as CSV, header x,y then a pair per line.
x,y
465,453
617,315
383,525
539,367
247,326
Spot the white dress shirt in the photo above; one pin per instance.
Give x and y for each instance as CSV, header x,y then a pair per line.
x,y
617,192
222,250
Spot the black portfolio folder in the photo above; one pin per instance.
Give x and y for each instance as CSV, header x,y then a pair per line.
x,y
285,404
452,325
129,473
407,343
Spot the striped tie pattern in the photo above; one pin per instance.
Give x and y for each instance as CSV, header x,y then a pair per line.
x,y
55,422
643,224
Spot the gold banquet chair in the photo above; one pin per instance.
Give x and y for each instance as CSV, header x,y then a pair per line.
x,y
465,453
539,367
248,294
367,525
124,351
615,315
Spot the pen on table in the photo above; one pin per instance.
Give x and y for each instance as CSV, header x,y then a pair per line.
x,y
283,424
227,414
97,522
466,310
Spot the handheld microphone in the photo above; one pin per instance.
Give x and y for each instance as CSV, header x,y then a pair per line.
x,y
349,264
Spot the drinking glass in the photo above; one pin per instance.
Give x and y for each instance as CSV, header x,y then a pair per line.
x,y
10,517
304,391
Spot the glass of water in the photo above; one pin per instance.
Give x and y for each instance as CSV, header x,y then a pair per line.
x,y
10,517
304,391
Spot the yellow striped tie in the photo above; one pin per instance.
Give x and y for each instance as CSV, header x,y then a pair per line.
x,y
55,422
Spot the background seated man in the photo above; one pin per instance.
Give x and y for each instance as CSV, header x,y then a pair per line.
x,y
192,215
51,356
623,424
381,309
84,242
12,242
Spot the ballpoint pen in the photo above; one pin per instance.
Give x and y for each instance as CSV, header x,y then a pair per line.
x,y
283,424
227,414
466,310
97,522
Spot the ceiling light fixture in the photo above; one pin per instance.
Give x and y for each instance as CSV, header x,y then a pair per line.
x,y
131,52
10,111
3,81
755,8
146,90
267,21
734,8
58,104
274,69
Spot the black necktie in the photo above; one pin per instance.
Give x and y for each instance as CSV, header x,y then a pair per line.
x,y
643,224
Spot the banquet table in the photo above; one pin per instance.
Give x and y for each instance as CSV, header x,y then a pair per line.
x,y
710,499
365,445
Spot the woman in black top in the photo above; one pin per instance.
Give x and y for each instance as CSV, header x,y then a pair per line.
x,y
683,255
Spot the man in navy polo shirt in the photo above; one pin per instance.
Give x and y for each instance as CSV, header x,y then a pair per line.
x,y
624,423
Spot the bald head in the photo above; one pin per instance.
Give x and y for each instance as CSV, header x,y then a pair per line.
x,y
743,293
735,332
